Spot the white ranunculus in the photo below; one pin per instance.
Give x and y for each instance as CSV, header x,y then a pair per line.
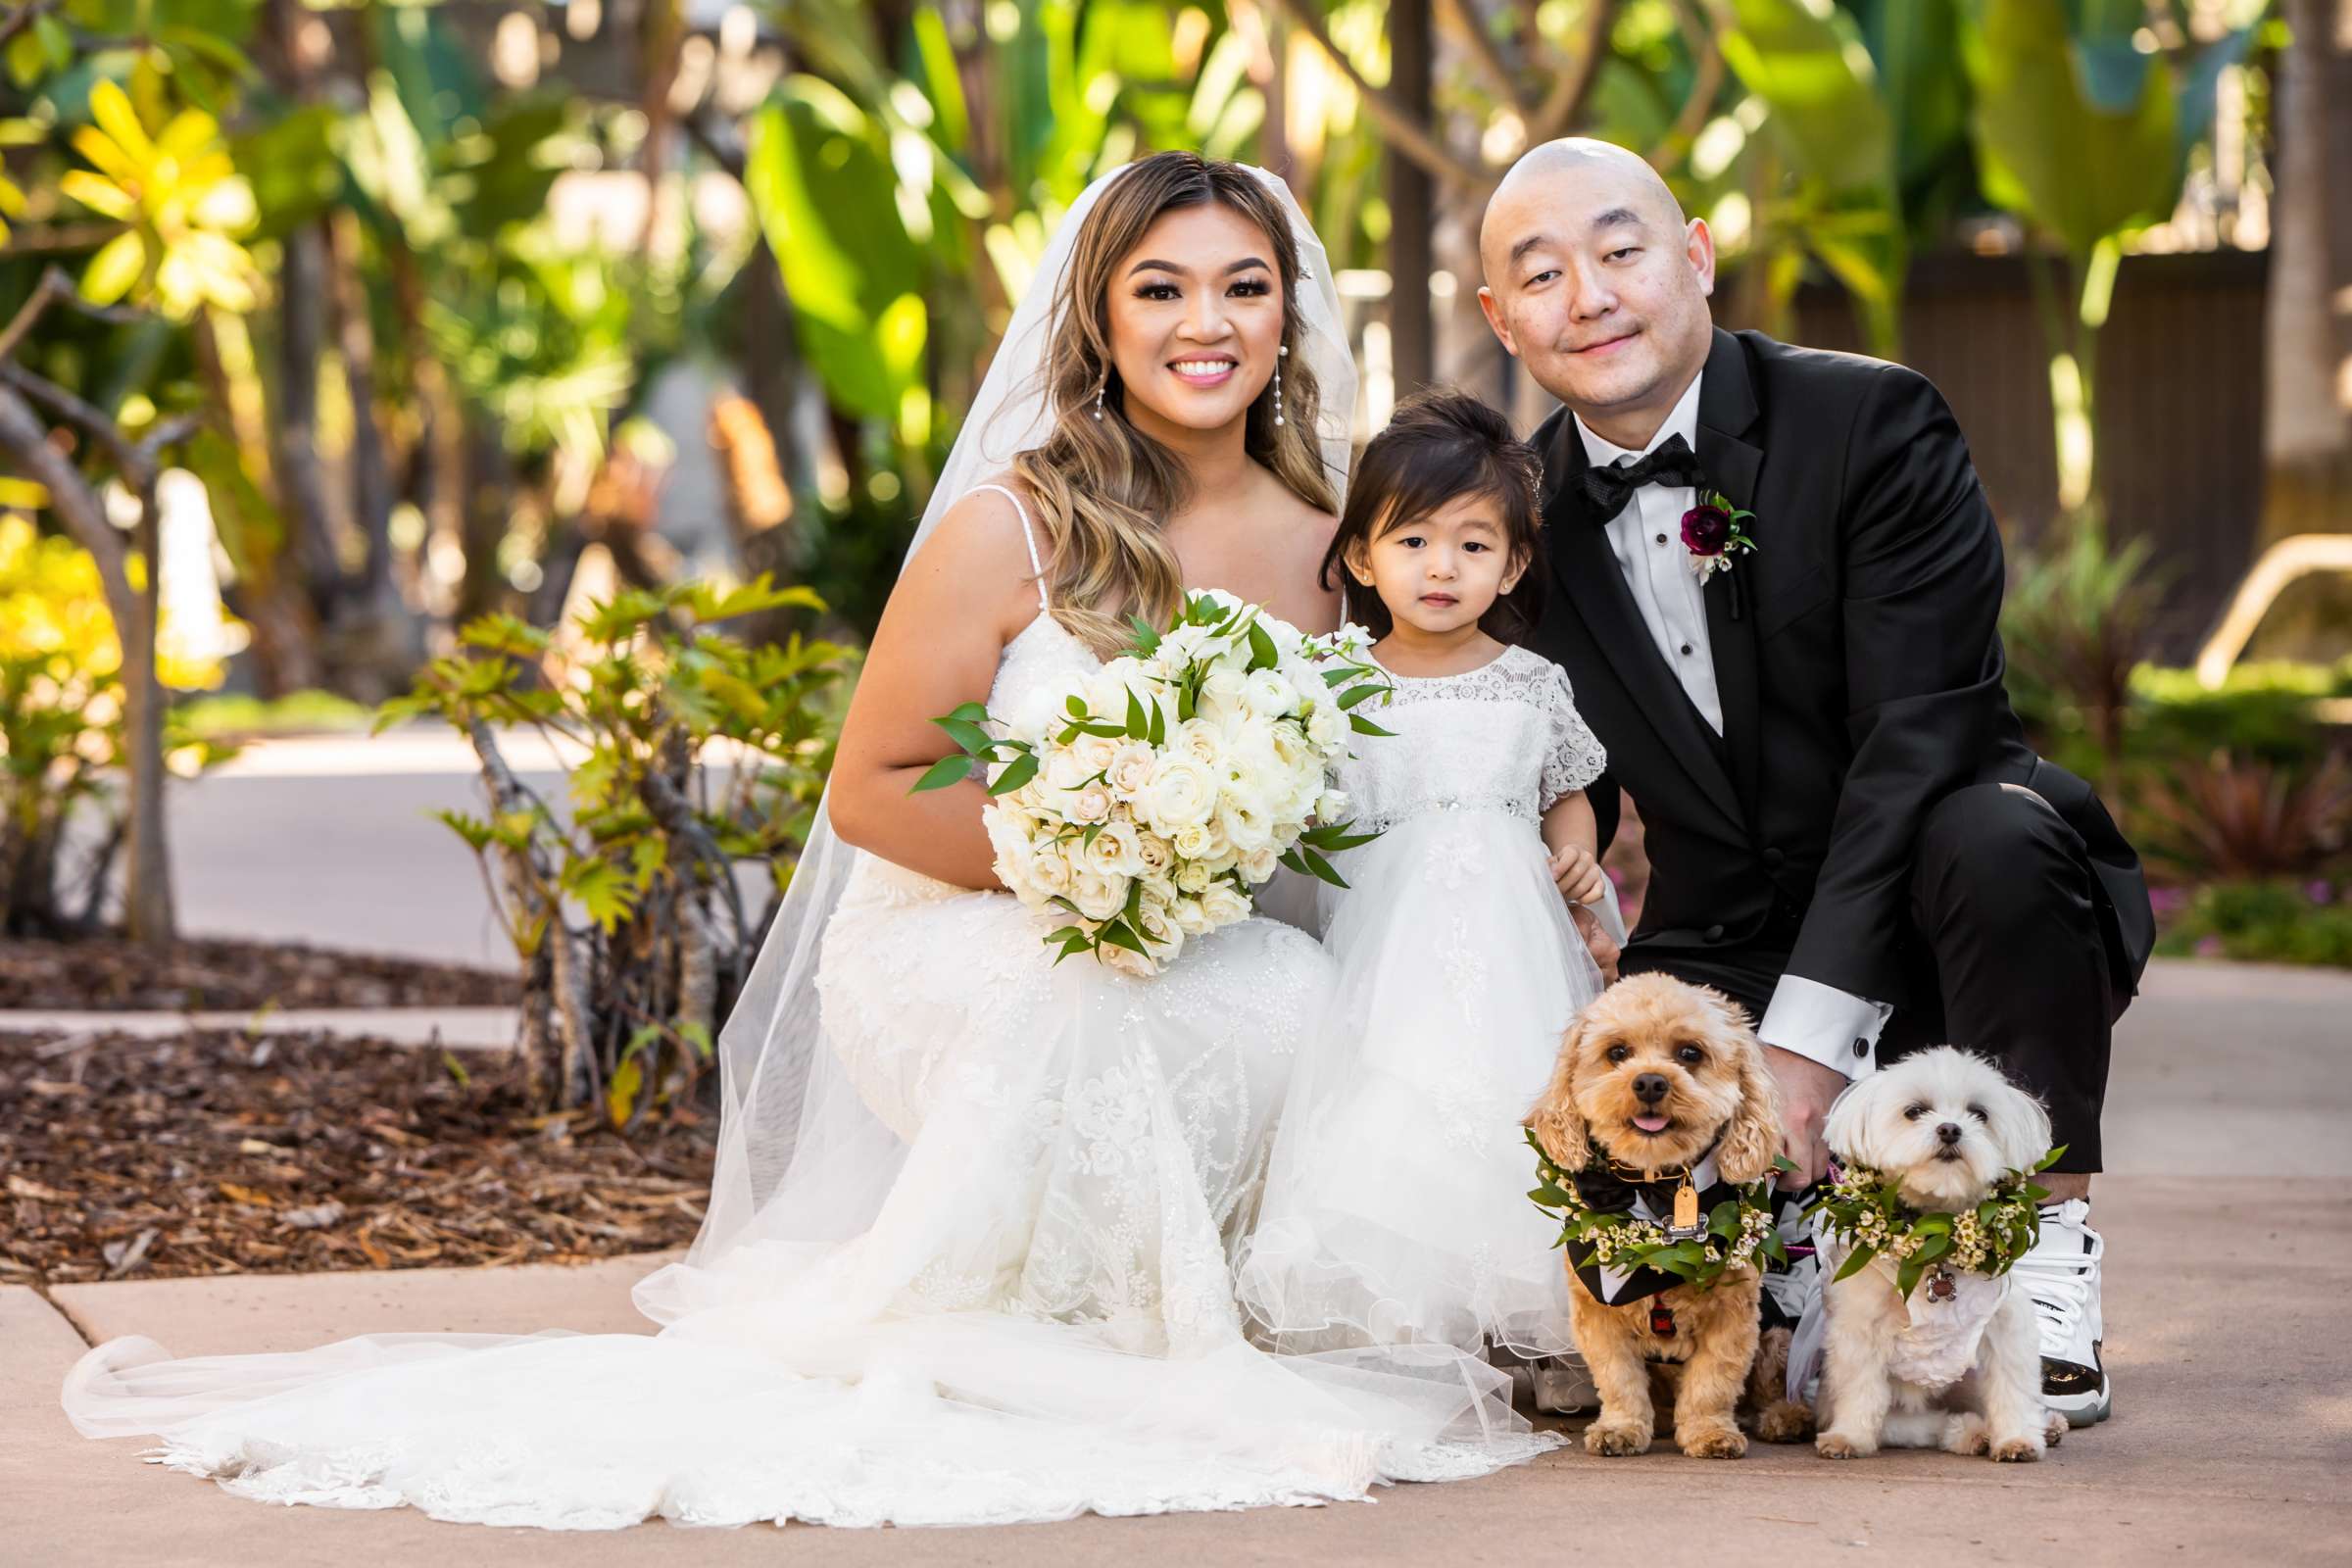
x,y
1182,792
1228,688
1245,822
1098,897
1130,770
1117,852
1270,696
1063,772
1198,738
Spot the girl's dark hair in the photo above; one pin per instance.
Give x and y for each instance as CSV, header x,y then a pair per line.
x,y
1440,444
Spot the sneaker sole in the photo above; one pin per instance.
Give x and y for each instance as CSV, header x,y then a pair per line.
x,y
2083,1409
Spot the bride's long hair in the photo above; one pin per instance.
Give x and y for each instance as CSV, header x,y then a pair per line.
x,y
1103,485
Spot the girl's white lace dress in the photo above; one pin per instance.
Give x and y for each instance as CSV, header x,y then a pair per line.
x,y
1396,1211
1023,1311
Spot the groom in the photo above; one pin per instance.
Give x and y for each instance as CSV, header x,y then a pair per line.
x,y
1846,830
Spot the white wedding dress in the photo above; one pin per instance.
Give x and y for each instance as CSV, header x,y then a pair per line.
x,y
1012,1302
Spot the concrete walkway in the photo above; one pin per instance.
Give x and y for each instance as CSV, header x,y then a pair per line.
x,y
2229,1255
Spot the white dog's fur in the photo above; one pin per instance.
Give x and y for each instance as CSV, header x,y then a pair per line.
x,y
1889,1121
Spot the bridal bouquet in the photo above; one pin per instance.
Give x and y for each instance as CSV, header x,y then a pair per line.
x,y
1148,800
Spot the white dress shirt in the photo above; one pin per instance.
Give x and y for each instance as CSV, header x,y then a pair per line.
x,y
1833,1027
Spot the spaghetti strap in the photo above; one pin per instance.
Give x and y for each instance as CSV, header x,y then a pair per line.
x,y
1027,538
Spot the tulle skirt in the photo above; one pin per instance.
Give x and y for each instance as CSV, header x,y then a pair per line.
x,y
999,1289
1396,1210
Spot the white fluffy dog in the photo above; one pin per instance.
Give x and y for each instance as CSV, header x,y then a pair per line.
x,y
1959,1363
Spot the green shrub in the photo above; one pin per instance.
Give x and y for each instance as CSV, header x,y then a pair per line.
x,y
2275,921
687,751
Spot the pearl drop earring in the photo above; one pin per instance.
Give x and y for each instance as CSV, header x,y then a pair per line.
x,y
1106,381
1280,354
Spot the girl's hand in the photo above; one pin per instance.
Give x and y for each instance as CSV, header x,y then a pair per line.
x,y
1579,875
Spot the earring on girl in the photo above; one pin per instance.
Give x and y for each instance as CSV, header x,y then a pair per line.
x,y
1282,353
1106,381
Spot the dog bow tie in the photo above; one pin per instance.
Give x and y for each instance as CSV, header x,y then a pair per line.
x,y
1609,486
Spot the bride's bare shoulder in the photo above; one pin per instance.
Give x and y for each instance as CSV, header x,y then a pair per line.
x,y
984,528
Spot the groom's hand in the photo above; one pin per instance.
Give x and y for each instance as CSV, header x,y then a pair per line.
x,y
1597,940
1806,1090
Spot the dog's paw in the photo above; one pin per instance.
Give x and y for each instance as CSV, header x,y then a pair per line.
x,y
1716,1440
1965,1432
1841,1446
1614,1438
2054,1429
1785,1421
2020,1449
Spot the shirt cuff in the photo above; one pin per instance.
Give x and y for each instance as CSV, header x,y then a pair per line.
x,y
1824,1024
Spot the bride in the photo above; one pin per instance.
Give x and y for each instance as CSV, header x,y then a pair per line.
x,y
967,1257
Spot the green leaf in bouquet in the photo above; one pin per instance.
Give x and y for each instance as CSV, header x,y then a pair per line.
x,y
1320,867
1357,694
1020,771
1263,653
1341,675
970,712
1332,837
1160,725
1146,640
1119,934
947,771
1139,724
964,732
1365,726
1076,708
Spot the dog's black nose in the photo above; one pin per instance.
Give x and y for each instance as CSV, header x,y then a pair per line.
x,y
1948,1133
1650,1088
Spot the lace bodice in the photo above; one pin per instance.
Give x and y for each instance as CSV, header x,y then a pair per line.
x,y
1505,736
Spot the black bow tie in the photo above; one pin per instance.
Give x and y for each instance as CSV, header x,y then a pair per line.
x,y
1609,486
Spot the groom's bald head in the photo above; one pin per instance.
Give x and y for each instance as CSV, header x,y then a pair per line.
x,y
1597,280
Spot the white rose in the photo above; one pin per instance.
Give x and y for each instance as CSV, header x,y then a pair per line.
x,y
1160,929
1193,876
1182,792
1203,842
1094,753
1098,897
1050,870
1126,962
1157,854
1227,688
1331,806
1198,739
1089,805
1063,772
1326,725
1190,917
1259,864
1130,770
1224,903
1117,852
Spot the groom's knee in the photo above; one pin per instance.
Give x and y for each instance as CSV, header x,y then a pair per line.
x,y
1995,853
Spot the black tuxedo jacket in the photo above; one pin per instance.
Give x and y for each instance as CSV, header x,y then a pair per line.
x,y
1860,671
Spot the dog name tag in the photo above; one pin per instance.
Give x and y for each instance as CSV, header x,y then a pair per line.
x,y
1685,1212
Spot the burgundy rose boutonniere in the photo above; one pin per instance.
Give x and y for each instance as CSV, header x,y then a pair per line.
x,y
1711,533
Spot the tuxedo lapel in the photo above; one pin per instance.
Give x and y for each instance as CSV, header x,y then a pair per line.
x,y
1727,414
1589,573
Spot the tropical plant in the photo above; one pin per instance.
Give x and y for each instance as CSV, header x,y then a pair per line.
x,y
2225,820
688,753
2075,624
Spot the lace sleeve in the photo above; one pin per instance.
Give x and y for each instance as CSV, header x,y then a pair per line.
x,y
1576,757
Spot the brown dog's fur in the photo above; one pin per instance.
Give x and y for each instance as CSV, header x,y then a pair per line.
x,y
1713,1352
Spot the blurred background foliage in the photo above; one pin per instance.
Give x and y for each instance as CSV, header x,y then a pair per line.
x,y
469,308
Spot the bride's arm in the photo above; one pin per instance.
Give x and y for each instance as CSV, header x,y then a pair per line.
x,y
942,633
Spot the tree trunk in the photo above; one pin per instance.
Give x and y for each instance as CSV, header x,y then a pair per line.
x,y
2307,403
1412,331
24,440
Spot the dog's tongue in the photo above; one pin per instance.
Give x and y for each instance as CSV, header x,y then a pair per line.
x,y
1649,1121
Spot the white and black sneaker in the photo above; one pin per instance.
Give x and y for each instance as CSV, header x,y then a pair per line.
x,y
2060,1276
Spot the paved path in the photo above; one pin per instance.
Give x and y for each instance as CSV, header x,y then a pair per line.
x,y
2231,1258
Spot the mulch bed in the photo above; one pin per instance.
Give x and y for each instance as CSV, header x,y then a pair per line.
x,y
218,974
214,1153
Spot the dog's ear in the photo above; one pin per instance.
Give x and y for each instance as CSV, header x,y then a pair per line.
x,y
1754,1134
1554,1119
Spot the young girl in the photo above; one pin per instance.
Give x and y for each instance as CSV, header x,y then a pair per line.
x,y
1395,1207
